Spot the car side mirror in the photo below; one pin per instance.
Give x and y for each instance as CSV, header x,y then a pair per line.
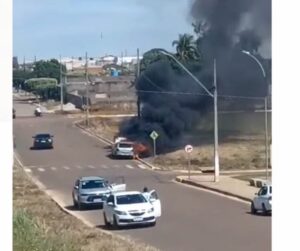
x,y
33,137
152,200
52,136
76,187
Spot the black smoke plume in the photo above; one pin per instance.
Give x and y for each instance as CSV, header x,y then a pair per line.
x,y
172,103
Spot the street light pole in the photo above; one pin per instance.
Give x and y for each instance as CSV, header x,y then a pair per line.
x,y
87,92
216,145
61,87
266,112
215,97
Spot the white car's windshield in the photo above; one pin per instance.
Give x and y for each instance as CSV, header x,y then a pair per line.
x,y
91,184
130,199
125,145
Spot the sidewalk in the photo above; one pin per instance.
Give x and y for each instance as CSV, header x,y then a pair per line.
x,y
226,185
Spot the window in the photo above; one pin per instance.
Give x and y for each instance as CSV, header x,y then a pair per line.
x,y
131,199
263,191
91,184
125,145
154,195
110,199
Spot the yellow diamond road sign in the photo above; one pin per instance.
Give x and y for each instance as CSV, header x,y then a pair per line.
x,y
154,135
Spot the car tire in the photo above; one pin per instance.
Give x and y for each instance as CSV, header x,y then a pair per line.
x,y
79,205
253,209
115,223
264,210
75,203
106,222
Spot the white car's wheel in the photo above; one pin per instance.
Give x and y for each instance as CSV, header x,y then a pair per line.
x,y
115,223
106,222
253,209
265,211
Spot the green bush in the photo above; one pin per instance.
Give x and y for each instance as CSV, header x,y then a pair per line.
x,y
30,235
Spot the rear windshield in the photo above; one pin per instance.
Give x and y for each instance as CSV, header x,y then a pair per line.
x,y
125,145
91,184
42,136
130,199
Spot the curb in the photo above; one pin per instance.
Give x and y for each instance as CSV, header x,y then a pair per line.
x,y
193,183
148,164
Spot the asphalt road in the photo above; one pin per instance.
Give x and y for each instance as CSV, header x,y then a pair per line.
x,y
191,219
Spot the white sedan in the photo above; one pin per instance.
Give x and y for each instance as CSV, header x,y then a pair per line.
x,y
263,200
130,208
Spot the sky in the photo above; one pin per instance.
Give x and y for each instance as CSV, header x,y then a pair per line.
x,y
49,28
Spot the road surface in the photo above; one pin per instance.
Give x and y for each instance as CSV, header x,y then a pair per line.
x,y
191,219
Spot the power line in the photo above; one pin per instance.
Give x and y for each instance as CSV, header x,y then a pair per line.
x,y
199,94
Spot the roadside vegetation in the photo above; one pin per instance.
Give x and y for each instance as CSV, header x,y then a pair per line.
x,y
39,224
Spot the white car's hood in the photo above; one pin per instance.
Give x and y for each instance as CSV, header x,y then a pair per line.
x,y
131,207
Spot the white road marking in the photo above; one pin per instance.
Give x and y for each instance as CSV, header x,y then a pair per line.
x,y
28,170
79,167
104,166
129,166
92,167
41,169
66,167
142,166
53,168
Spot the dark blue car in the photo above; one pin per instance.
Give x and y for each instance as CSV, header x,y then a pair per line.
x,y
42,141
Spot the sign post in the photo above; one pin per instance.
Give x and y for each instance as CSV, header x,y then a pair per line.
x,y
188,149
154,135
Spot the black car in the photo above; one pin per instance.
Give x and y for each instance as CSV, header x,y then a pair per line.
x,y
43,140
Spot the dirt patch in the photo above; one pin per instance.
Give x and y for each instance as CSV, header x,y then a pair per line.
x,y
237,151
44,211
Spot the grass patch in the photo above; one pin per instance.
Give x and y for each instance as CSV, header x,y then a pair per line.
x,y
29,234
41,225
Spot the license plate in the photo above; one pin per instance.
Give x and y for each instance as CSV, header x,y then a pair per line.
x,y
138,219
43,141
97,200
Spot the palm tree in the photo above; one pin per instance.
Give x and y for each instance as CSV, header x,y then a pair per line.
x,y
186,48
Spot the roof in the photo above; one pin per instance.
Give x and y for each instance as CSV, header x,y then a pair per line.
x,y
91,178
42,135
126,193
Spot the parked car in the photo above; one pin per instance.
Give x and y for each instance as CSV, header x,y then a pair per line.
x,y
263,200
131,208
42,141
93,190
123,149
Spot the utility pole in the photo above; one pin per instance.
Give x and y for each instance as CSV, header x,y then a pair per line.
x,y
61,87
138,69
216,150
24,63
87,91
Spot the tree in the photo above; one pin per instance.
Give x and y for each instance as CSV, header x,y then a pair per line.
x,y
186,49
20,76
46,88
48,69
151,57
